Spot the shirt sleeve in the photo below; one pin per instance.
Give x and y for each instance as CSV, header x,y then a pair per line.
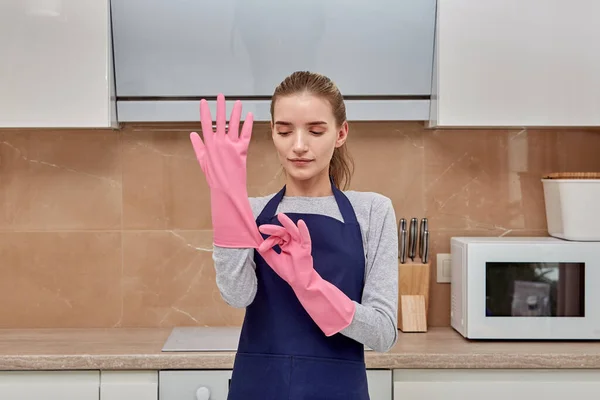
x,y
235,268
235,275
375,322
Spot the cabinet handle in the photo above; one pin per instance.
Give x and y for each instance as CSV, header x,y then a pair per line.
x,y
203,393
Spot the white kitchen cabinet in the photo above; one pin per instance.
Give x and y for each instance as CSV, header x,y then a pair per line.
x,y
128,385
194,384
516,63
514,384
57,68
380,384
49,385
214,385
170,53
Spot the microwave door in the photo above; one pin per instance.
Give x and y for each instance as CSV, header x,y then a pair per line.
x,y
570,293
534,289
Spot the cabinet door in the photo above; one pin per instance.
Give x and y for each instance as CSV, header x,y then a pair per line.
x,y
517,63
496,384
49,385
127,385
56,64
175,48
192,385
214,385
380,384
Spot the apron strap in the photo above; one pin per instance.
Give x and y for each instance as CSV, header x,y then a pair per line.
x,y
271,208
344,205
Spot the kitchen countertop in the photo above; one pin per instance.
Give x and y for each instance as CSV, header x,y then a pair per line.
x,y
131,349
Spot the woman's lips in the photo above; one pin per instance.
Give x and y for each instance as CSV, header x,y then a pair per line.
x,y
300,162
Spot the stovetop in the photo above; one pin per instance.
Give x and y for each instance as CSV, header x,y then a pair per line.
x,y
204,339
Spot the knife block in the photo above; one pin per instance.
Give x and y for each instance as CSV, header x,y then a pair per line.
x,y
413,296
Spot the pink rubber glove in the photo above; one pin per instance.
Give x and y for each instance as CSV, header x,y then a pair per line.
x,y
222,158
327,305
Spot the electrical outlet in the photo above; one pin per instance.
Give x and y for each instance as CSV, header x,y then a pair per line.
x,y
444,267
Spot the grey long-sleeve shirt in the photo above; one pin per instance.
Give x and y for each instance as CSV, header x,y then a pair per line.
x,y
375,320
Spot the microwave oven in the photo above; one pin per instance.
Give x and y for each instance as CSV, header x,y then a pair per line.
x,y
520,288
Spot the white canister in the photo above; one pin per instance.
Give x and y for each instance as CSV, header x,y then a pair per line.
x,y
573,208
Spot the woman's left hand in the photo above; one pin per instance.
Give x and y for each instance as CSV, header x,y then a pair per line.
x,y
295,262
327,305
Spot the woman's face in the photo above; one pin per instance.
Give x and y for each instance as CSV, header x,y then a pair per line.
x,y
305,135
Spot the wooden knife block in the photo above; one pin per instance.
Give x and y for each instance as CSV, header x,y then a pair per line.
x,y
413,296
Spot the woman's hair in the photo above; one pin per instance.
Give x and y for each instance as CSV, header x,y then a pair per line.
x,y
341,165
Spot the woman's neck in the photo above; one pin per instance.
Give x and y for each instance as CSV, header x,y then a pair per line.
x,y
318,186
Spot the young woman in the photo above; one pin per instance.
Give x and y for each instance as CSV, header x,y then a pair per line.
x,y
321,282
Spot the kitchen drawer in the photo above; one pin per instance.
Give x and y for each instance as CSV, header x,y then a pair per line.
x,y
183,385
49,385
380,384
515,384
128,385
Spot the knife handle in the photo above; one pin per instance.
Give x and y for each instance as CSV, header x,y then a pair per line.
x,y
424,227
412,239
425,257
402,239
403,246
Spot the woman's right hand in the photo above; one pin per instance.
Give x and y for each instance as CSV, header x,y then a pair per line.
x,y
222,157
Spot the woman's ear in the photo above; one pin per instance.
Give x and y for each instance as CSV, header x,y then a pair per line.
x,y
342,134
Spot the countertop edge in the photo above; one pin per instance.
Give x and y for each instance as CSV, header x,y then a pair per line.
x,y
224,361
120,349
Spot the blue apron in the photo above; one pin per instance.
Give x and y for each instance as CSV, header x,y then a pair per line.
x,y
282,353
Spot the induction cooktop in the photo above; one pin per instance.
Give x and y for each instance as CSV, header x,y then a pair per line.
x,y
204,339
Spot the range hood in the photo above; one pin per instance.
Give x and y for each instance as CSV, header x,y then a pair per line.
x,y
168,54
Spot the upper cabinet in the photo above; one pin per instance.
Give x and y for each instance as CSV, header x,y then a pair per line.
x,y
454,63
170,53
516,63
56,68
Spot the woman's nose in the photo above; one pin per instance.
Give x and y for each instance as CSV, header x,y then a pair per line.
x,y
299,142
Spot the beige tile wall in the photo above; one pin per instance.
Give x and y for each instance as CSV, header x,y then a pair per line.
x,y
102,228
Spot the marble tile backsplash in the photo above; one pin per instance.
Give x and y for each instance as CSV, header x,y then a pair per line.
x,y
102,228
